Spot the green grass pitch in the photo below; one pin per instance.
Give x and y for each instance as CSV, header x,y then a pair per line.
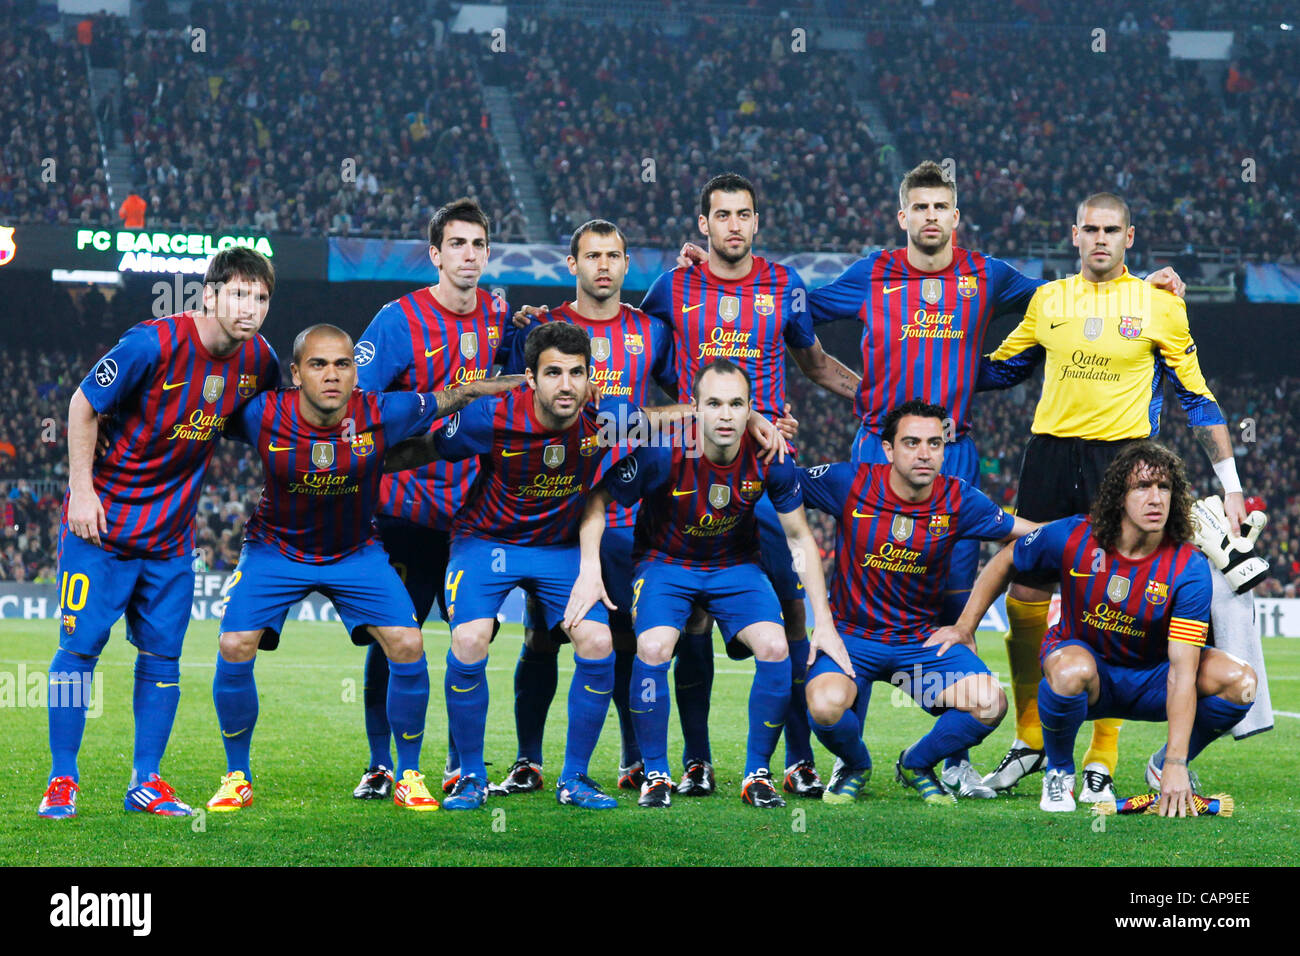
x,y
309,749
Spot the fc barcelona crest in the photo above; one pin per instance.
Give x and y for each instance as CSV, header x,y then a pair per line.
x,y
750,490
553,456
633,344
590,446
1117,588
469,344
494,335
600,349
1157,592
214,386
1092,328
719,495
322,454
938,526
968,286
69,622
901,528
764,304
1130,326
931,290
247,386
728,308
363,444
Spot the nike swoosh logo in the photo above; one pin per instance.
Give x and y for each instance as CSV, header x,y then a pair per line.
x,y
690,308
768,723
406,736
274,447
594,691
235,734
513,454
167,387
1057,325
889,291
1079,574
430,353
859,514
464,690
635,711
161,684
56,683
677,493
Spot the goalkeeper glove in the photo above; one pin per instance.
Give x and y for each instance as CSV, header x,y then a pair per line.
x,y
1234,556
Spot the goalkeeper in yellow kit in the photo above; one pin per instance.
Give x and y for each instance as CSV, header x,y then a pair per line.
x,y
1108,342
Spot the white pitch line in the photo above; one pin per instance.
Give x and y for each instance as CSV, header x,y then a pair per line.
x,y
1285,713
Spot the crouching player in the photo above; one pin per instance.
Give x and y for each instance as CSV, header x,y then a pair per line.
x,y
696,541
897,524
323,445
1135,605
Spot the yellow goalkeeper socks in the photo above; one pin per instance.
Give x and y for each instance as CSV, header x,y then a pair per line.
x,y
1028,621
1104,748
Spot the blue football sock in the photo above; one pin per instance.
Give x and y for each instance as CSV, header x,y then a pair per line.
x,y
860,704
589,693
374,698
692,686
453,755
650,706
536,676
798,737
956,759
465,686
844,739
954,602
630,753
156,697
234,692
71,684
408,703
769,699
1214,717
1062,717
954,730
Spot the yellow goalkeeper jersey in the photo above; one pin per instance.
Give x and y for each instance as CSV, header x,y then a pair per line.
x,y
1107,348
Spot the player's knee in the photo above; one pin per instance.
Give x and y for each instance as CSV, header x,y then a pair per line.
x,y
828,700
655,650
1070,673
470,647
770,648
236,647
405,645
698,621
1243,684
990,701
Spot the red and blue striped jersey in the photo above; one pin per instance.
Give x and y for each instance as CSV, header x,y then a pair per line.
x,y
322,484
532,483
891,556
749,321
627,353
414,344
922,332
1126,611
696,513
168,400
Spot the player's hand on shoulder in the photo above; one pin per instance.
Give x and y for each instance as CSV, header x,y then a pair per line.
x,y
826,638
587,590
1169,280
86,517
788,425
768,437
527,314
1175,792
691,255
947,636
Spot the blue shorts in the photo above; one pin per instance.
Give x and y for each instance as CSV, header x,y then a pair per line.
x,y
960,460
737,597
481,572
420,556
774,552
913,668
363,587
1135,693
97,587
616,571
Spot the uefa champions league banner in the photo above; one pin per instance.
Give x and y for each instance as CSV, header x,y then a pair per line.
x,y
545,264
1268,282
